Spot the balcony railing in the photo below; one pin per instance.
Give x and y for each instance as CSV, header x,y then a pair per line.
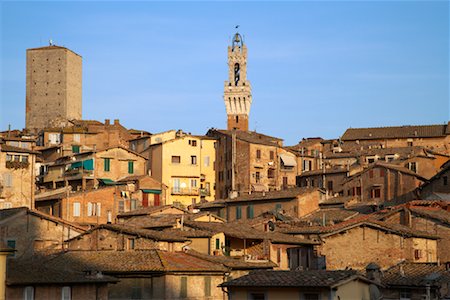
x,y
185,191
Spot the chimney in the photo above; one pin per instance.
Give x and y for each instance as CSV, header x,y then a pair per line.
x,y
106,121
116,122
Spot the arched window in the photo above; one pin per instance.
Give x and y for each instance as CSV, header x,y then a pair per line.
x,y
237,71
237,119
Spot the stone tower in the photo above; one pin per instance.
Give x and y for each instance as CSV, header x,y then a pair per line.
x,y
237,93
53,93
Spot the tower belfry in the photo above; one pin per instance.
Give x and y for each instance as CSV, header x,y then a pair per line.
x,y
237,94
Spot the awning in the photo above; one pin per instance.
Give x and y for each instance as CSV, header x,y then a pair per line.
x,y
150,191
107,181
288,161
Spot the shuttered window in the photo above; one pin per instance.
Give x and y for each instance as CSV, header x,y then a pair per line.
x,y
207,286
238,212
107,164
130,167
183,287
76,209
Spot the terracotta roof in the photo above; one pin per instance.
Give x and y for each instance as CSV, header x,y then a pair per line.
x,y
243,231
6,213
435,213
329,216
365,221
148,211
334,170
154,222
413,131
9,148
273,195
135,261
144,233
252,137
408,274
235,263
40,270
313,279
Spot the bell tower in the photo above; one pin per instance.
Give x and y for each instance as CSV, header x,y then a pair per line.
x,y
237,94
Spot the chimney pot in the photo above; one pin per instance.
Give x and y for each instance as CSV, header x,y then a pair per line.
x,y
116,122
106,121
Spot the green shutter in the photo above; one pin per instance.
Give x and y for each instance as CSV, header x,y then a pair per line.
x,y
75,149
107,164
278,207
238,212
183,288
130,167
250,212
217,244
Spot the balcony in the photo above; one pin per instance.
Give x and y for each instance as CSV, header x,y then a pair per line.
x,y
191,191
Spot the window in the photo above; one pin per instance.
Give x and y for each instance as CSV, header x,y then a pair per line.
x,y
193,143
217,244
75,149
278,206
256,296
412,166
54,138
76,138
176,159
371,173
16,157
271,173
206,161
417,254
66,293
24,158
207,286
107,164
375,193
130,244
358,190
250,212
94,209
238,212
193,160
410,144
405,295
278,255
9,157
8,180
12,245
133,204
28,293
258,154
130,167
193,183
76,209
330,185
445,180
381,172
121,206
257,177
271,155
183,287
311,296
176,185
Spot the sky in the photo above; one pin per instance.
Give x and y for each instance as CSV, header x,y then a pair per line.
x,y
316,67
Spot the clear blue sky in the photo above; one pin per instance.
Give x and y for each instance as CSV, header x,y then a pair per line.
x,y
316,68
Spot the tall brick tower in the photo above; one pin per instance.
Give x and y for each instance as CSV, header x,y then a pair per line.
x,y
53,87
237,93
